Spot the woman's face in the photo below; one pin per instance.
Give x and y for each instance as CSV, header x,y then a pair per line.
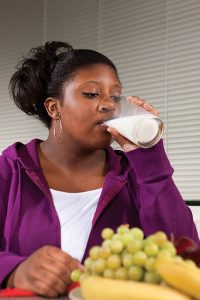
x,y
89,99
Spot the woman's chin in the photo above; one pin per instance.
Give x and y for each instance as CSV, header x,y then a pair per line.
x,y
103,144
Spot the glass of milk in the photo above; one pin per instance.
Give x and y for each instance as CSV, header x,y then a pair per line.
x,y
137,124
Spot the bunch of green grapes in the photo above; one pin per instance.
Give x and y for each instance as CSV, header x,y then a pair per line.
x,y
126,255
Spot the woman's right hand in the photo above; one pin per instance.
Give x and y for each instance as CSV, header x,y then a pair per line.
x,y
46,272
123,142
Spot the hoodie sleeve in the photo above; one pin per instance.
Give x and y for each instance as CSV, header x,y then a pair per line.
x,y
8,262
160,204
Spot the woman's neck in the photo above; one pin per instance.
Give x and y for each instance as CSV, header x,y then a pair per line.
x,y
69,157
72,171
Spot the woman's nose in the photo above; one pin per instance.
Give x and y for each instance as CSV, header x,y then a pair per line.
x,y
107,105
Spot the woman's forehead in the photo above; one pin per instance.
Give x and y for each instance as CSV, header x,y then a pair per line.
x,y
97,74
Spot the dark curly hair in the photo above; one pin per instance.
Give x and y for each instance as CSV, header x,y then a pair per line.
x,y
44,72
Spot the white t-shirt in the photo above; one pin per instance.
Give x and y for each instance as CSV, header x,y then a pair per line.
x,y
75,212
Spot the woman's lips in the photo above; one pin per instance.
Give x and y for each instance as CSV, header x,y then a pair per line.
x,y
102,126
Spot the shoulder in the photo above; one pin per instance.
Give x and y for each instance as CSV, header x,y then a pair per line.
x,y
18,155
6,168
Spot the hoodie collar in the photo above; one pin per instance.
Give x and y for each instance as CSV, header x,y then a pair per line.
x,y
27,156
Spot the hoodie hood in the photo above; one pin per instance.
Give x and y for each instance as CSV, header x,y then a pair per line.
x,y
25,154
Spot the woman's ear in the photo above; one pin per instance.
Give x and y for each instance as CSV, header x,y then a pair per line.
x,y
52,107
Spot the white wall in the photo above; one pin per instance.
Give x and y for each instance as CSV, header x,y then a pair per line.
x,y
196,215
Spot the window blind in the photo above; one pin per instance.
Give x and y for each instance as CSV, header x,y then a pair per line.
x,y
183,88
21,24
155,45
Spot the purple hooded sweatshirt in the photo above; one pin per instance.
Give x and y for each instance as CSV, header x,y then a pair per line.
x,y
138,190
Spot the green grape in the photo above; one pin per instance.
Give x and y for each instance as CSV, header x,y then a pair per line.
x,y
94,252
108,273
164,253
124,253
151,249
92,269
104,252
117,237
127,260
106,244
135,273
169,247
121,273
152,277
99,265
127,238
107,233
137,233
123,229
75,275
113,262
134,246
116,246
139,258
149,239
150,264
88,263
160,238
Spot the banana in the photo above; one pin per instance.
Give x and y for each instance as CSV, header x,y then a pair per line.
x,y
100,288
180,275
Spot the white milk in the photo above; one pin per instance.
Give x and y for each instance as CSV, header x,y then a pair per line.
x,y
144,130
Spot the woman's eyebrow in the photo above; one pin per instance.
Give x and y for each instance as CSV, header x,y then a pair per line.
x,y
96,82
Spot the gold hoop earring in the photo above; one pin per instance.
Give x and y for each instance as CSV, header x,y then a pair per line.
x,y
57,130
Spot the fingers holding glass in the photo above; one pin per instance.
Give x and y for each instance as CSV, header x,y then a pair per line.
x,y
140,102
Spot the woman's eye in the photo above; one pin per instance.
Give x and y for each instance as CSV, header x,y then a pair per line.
x,y
91,95
116,98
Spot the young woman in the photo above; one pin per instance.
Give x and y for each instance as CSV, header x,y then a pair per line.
x,y
58,194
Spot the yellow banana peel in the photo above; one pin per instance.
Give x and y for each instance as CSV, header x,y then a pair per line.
x,y
99,288
180,275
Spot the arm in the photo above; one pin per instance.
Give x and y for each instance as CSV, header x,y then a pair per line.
x,y
8,262
45,272
160,204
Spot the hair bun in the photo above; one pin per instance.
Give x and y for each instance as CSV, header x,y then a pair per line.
x,y
29,84
57,47
48,55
